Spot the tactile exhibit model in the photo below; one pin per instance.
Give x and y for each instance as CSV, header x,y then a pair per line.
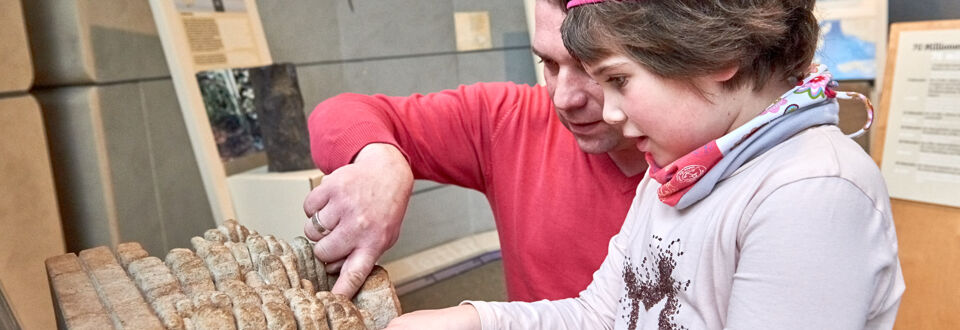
x,y
236,279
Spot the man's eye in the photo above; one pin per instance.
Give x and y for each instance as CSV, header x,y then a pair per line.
x,y
550,65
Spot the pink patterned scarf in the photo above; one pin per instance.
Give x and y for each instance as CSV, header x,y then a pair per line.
x,y
677,179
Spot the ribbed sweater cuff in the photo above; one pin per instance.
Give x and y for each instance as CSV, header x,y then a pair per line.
x,y
346,146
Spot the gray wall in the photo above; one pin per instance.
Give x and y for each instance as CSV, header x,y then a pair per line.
x,y
395,47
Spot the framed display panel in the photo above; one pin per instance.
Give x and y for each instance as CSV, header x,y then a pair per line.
x,y
213,37
921,104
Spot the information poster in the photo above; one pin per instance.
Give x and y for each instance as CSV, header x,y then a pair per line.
x,y
219,33
921,157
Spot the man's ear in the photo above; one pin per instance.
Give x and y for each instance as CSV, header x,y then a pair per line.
x,y
724,74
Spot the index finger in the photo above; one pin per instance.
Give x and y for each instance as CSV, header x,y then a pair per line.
x,y
316,200
354,272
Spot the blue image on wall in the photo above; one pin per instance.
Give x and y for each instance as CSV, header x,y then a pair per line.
x,y
847,56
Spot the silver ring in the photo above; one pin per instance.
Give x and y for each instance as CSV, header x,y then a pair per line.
x,y
316,225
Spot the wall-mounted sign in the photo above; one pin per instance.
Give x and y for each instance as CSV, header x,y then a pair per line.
x,y
921,149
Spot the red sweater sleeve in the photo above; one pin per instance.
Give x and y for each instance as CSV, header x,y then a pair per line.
x,y
446,136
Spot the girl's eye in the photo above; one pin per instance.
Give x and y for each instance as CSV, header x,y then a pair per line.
x,y
617,81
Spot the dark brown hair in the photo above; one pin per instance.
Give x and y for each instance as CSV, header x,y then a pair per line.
x,y
685,39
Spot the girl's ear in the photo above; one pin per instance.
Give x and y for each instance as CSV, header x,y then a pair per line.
x,y
724,74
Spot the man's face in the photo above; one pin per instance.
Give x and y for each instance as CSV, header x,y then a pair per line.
x,y
577,98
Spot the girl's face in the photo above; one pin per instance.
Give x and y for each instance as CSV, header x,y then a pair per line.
x,y
668,118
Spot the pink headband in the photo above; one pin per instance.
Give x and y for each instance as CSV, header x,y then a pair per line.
x,y
575,3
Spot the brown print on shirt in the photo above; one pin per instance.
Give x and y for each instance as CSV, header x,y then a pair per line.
x,y
653,283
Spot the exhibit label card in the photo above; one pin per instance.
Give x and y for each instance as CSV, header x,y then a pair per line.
x,y
219,33
921,161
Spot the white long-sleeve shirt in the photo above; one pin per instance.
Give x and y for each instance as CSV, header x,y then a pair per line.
x,y
799,238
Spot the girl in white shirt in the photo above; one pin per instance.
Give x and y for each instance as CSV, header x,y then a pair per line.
x,y
756,212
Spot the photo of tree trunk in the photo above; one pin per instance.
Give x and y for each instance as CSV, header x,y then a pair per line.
x,y
228,96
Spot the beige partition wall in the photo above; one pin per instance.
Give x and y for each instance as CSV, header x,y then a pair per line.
x,y
28,207
14,50
28,211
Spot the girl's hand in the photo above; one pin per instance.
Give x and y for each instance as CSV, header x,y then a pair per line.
x,y
463,317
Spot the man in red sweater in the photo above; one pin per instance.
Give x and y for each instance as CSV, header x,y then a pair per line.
x,y
558,178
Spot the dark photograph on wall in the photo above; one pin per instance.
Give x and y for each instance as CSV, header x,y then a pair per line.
x,y
256,115
229,98
279,107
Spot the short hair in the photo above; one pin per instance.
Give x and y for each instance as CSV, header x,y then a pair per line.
x,y
685,39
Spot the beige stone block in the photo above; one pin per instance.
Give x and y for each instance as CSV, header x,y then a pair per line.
x,y
14,49
83,41
74,296
28,210
117,292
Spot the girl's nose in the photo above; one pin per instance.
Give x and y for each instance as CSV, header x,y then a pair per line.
x,y
612,113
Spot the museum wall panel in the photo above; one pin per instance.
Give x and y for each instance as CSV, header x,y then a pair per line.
x,y
15,62
76,150
89,41
401,76
123,166
28,210
301,31
372,29
183,203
